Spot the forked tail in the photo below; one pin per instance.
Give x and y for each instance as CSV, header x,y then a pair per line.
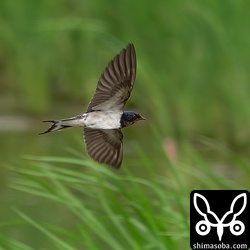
x,y
62,124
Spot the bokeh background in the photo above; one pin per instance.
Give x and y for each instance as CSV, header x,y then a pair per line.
x,y
192,85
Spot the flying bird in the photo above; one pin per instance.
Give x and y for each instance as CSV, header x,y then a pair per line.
x,y
105,116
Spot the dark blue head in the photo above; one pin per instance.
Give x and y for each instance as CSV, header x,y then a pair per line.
x,y
129,118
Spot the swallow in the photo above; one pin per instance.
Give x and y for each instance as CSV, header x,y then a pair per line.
x,y
104,118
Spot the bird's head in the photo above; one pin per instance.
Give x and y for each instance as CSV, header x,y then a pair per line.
x,y
128,118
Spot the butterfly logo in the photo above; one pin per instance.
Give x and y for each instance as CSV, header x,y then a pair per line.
x,y
210,219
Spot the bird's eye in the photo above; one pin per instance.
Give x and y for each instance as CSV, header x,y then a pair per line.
x,y
135,116
132,117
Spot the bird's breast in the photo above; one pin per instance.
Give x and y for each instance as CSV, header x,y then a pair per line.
x,y
103,119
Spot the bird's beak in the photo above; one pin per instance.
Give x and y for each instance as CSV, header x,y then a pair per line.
x,y
142,118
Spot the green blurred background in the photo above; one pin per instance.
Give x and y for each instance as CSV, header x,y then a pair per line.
x,y
192,85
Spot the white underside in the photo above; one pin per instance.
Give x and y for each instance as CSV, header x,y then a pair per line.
x,y
101,120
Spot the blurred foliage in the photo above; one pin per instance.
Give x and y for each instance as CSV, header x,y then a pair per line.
x,y
99,208
193,59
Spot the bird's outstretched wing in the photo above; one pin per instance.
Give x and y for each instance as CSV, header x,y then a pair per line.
x,y
116,82
104,145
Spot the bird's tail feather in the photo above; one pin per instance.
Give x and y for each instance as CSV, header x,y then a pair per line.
x,y
61,124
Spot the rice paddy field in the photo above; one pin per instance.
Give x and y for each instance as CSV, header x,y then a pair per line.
x,y
192,85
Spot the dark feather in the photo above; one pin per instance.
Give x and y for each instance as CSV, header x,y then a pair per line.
x,y
104,145
116,82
